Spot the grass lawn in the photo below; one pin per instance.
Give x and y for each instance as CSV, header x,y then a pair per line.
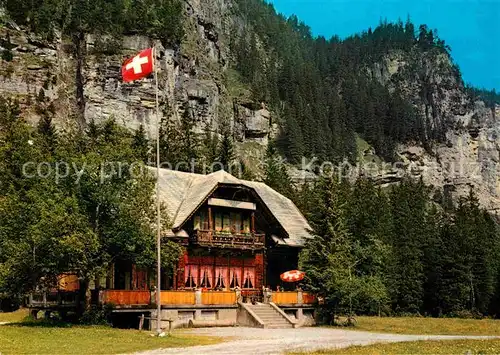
x,y
420,347
16,316
434,326
40,338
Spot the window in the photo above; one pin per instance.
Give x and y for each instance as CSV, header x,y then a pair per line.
x,y
206,274
218,222
249,277
246,224
197,222
235,277
200,221
235,222
221,277
226,223
191,276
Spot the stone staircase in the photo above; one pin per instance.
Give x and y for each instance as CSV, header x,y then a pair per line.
x,y
270,316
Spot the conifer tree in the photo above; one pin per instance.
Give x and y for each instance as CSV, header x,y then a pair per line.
x,y
225,151
276,174
48,133
409,210
140,144
326,258
209,149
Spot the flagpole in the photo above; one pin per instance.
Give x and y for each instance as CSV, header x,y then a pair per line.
x,y
158,209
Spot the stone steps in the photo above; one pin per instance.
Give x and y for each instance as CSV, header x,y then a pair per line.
x,y
270,316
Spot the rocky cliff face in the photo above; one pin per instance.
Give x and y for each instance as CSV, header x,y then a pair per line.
x,y
468,153
194,76
197,77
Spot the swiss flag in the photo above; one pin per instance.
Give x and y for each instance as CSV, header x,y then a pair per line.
x,y
139,66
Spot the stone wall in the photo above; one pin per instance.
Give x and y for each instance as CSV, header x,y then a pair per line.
x,y
183,318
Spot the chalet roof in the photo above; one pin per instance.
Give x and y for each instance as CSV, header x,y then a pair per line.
x,y
183,193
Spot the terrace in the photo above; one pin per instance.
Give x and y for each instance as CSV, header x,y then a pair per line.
x,y
185,298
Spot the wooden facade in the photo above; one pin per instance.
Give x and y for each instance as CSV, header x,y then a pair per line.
x,y
217,272
230,253
227,247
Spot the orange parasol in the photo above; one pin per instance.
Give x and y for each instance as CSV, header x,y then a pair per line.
x,y
292,276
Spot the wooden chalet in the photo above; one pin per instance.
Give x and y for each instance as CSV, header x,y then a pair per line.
x,y
238,237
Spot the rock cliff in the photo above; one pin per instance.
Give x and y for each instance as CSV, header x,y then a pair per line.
x,y
465,135
194,76
467,153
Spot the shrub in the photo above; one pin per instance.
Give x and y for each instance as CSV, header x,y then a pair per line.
x,y
7,55
97,315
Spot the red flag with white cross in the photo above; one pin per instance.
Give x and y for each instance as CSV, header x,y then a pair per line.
x,y
139,66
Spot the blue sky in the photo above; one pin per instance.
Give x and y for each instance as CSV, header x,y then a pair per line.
x,y
470,27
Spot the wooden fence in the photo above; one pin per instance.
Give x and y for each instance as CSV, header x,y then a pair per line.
x,y
218,297
178,297
308,298
122,297
131,298
285,297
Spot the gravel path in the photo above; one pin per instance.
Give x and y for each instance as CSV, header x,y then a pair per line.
x,y
256,341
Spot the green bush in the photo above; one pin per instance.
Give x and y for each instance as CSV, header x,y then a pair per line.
x,y
97,315
9,304
7,55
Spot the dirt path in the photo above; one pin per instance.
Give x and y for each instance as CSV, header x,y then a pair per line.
x,y
257,341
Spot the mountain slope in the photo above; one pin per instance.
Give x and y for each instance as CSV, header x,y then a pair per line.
x,y
241,66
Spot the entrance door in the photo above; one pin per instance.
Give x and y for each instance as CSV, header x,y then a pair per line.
x,y
280,260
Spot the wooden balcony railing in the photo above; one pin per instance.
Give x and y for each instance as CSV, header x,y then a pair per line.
x,y
126,298
229,240
131,298
218,297
292,298
53,299
308,298
141,298
178,297
285,297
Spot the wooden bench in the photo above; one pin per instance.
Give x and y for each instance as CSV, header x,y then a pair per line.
x,y
142,318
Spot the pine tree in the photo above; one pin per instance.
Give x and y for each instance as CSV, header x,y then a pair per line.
x,y
225,151
48,134
293,138
369,219
409,203
276,174
209,149
140,144
476,239
188,140
434,257
326,258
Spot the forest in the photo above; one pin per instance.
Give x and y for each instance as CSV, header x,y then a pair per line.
x,y
323,89
405,249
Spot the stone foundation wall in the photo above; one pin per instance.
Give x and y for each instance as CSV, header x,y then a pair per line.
x,y
181,317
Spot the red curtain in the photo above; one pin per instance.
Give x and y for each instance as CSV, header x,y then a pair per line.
x,y
221,277
191,276
206,276
141,277
235,277
249,277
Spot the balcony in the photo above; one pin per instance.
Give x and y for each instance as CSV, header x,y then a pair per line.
x,y
229,240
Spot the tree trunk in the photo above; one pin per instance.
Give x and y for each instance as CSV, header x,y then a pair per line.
x,y
84,297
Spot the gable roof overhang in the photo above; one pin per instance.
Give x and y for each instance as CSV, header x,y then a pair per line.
x,y
184,193
240,186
